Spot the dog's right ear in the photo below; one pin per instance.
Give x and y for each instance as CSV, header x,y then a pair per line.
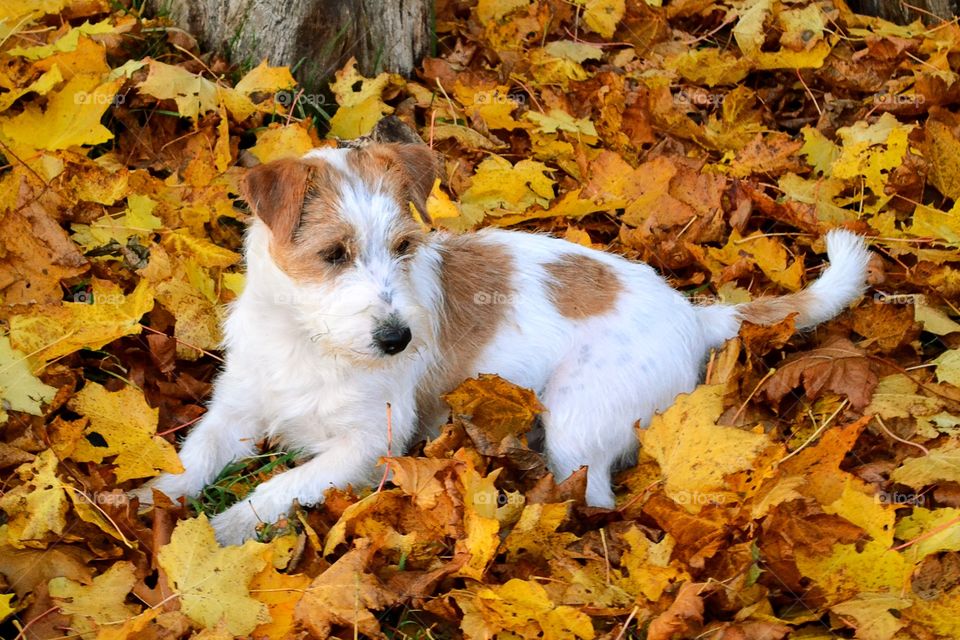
x,y
275,192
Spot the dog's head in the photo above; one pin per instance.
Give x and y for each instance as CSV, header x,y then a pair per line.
x,y
342,232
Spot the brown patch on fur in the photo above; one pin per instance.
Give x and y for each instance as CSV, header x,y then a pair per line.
x,y
275,193
405,171
581,286
768,311
476,273
318,230
300,201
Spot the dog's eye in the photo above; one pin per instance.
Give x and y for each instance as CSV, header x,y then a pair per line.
x,y
402,248
336,256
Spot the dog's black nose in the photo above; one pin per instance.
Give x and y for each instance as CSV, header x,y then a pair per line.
x,y
392,338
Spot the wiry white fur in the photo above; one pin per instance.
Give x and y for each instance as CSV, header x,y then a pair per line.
x,y
299,366
843,281
840,284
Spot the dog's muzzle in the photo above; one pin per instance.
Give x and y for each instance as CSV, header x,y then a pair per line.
x,y
392,336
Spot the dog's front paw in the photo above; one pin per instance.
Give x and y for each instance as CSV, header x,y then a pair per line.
x,y
235,525
174,486
144,494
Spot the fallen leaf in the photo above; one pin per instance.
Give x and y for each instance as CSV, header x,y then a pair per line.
x,y
122,424
839,367
212,582
344,595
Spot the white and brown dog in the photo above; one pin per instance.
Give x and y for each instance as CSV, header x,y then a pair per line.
x,y
349,306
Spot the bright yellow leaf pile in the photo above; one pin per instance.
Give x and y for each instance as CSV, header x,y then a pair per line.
x,y
809,489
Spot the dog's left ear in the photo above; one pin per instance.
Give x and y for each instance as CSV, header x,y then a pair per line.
x,y
275,192
417,166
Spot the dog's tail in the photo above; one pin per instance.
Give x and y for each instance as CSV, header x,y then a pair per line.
x,y
842,282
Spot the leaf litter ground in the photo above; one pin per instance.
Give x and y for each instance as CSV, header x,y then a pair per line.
x,y
810,488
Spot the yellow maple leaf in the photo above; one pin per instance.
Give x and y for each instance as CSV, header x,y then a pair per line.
x,y
204,252
122,425
194,94
20,390
943,149
37,506
558,120
767,253
72,116
265,79
40,86
802,28
948,367
101,316
102,602
821,152
872,614
847,570
710,66
547,68
864,509
276,141
694,452
937,615
481,501
602,16
499,187
417,477
931,530
66,42
492,104
445,212
520,608
26,10
749,31
940,464
212,582
137,220
5,607
361,109
535,533
930,222
491,10
870,152
649,570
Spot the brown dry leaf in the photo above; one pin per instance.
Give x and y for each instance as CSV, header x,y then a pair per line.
x,y
36,252
417,477
683,616
838,367
497,407
345,595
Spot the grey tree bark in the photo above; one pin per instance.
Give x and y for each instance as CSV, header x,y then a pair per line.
x,y
905,11
314,37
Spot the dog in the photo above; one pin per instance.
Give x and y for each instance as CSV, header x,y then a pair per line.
x,y
349,305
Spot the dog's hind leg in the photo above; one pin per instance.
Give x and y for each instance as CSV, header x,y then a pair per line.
x,y
578,434
593,401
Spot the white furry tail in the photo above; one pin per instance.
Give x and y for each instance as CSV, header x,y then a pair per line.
x,y
839,285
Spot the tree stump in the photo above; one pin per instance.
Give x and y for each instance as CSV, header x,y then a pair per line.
x,y
906,11
313,37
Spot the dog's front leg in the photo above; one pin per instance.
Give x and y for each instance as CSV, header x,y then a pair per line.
x,y
222,436
352,459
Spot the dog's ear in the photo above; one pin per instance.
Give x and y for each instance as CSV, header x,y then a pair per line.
x,y
418,163
275,192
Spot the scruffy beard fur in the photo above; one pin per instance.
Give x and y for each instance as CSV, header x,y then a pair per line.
x,y
350,306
